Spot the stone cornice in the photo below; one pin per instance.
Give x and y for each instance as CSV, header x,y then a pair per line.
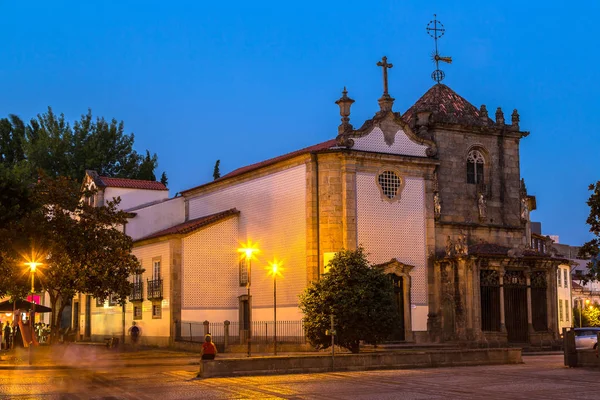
x,y
487,130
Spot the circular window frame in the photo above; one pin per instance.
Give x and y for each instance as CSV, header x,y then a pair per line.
x,y
382,194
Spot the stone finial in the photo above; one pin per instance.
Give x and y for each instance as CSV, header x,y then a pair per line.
x,y
483,113
499,116
515,119
344,103
386,103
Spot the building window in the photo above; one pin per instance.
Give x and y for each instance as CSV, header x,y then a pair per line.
x,y
243,266
390,184
559,279
567,310
156,310
560,310
475,163
566,278
137,312
99,302
156,269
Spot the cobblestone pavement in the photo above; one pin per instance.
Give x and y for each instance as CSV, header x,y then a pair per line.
x,y
540,377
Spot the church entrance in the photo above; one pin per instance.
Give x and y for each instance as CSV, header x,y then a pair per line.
x,y
398,283
515,306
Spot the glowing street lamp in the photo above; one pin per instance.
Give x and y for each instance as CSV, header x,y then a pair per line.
x,y
275,269
32,268
248,250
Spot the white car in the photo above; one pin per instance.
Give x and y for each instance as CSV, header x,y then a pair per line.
x,y
586,338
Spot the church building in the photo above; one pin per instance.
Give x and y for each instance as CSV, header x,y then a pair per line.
x,y
434,196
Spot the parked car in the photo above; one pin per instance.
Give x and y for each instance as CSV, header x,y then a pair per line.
x,y
586,338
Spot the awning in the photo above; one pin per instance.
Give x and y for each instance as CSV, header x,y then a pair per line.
x,y
23,305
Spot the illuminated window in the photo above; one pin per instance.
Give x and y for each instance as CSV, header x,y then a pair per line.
x,y
559,279
156,310
390,184
475,164
137,312
560,310
567,310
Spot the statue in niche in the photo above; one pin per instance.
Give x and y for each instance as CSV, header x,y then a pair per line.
x,y
449,247
482,206
524,209
437,205
461,248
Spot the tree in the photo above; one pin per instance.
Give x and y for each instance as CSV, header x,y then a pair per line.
x,y
591,249
359,296
50,144
216,170
163,179
98,263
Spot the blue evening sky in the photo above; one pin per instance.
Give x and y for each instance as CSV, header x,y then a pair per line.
x,y
243,81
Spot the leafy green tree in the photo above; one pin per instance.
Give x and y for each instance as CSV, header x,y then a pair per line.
x,y
216,170
99,262
590,315
51,144
591,249
360,298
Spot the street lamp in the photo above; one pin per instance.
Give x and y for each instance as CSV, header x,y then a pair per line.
x,y
32,268
248,251
275,269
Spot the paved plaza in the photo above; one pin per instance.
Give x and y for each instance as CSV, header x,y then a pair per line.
x,y
540,377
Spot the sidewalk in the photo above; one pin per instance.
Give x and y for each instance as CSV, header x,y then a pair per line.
x,y
81,356
92,355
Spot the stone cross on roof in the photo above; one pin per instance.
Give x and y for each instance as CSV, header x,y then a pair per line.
x,y
385,65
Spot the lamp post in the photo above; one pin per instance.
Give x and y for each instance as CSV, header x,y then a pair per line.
x,y
275,269
248,251
32,268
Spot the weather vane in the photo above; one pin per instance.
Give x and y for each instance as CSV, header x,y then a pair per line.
x,y
436,30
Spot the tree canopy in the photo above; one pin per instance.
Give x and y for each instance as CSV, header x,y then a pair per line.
x,y
591,249
98,263
51,144
359,296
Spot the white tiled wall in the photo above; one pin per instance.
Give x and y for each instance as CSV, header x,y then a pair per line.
x,y
375,142
272,215
396,230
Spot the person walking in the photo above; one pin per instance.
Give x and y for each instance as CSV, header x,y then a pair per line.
x,y
209,350
134,334
7,333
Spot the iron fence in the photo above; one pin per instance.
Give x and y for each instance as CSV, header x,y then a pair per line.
x,y
229,333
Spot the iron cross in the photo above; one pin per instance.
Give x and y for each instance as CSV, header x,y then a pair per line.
x,y
384,64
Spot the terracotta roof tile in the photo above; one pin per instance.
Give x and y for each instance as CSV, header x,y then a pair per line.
x,y
107,181
317,147
446,106
192,225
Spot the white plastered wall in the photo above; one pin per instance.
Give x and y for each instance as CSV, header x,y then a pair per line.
x,y
134,197
156,217
272,215
396,229
107,320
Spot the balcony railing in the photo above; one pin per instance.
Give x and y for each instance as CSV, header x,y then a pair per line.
x,y
155,289
137,292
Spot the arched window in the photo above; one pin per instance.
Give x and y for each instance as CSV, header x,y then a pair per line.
x,y
475,164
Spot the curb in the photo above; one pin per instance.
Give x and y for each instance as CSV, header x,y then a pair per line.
x,y
96,366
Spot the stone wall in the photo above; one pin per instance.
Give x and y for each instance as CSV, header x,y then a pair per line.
x,y
356,362
501,189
